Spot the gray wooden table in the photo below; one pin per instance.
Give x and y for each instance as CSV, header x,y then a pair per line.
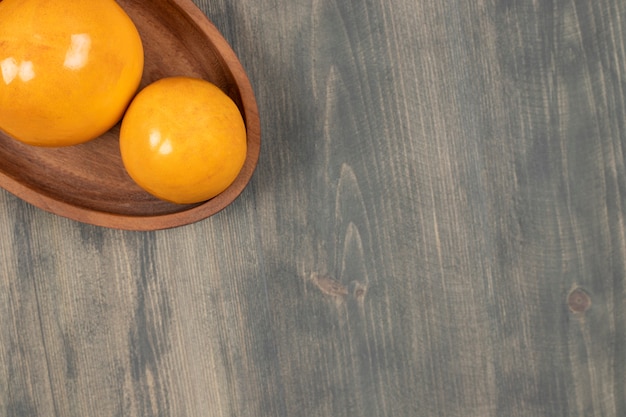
x,y
435,228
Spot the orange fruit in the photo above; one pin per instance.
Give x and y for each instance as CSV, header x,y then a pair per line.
x,y
183,140
69,68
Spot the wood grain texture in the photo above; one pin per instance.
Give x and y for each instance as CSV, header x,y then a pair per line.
x,y
435,228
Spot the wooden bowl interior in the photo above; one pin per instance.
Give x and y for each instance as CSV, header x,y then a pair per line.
x,y
88,182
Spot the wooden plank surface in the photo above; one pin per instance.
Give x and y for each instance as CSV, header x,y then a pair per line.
x,y
435,228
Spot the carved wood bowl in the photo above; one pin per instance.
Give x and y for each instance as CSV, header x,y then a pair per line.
x,y
88,182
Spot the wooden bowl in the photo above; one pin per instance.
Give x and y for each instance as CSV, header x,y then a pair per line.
x,y
88,182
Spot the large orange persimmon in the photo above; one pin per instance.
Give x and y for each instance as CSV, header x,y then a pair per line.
x,y
69,68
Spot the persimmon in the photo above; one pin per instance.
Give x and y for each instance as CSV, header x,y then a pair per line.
x,y
183,140
69,69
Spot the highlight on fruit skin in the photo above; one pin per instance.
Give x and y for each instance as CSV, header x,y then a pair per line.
x,y
183,140
68,69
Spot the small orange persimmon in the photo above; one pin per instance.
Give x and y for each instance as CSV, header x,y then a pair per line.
x,y
183,140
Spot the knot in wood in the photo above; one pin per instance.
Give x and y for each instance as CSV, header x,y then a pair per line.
x,y
578,300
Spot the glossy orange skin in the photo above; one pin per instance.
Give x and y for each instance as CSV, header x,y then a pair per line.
x,y
69,68
183,140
